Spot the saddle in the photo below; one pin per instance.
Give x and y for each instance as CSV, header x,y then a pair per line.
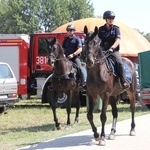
x,y
114,68
78,73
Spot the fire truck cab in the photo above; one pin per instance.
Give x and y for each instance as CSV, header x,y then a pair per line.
x,y
27,56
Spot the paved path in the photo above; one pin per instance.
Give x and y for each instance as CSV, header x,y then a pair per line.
x,y
84,140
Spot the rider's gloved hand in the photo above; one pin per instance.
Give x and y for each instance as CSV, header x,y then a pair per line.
x,y
111,50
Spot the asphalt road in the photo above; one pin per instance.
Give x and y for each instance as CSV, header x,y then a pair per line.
x,y
84,140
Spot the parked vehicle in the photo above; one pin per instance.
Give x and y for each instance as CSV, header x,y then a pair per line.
x,y
27,56
144,77
8,86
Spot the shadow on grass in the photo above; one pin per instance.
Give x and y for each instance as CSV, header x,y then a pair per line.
x,y
47,127
32,106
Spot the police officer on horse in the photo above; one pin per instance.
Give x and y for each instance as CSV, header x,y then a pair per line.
x,y
110,40
72,46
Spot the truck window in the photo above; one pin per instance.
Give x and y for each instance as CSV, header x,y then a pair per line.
x,y
5,71
42,46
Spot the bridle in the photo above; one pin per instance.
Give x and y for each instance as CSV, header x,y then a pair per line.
x,y
97,51
51,55
54,57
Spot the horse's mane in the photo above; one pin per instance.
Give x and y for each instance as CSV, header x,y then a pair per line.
x,y
60,47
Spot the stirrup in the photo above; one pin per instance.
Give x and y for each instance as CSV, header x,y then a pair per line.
x,y
125,85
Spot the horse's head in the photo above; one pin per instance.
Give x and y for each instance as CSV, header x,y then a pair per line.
x,y
52,48
92,44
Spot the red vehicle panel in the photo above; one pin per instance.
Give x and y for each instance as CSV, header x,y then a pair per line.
x,y
28,58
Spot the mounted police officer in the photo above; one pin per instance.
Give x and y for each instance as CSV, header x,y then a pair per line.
x,y
72,46
110,41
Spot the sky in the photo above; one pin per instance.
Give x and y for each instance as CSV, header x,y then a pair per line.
x,y
134,13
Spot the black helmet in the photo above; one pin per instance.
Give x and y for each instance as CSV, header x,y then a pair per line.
x,y
108,14
70,27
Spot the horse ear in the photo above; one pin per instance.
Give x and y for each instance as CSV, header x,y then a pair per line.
x,y
53,40
85,29
96,30
46,40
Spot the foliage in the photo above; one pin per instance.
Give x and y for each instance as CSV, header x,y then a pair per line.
x,y
147,36
26,16
80,9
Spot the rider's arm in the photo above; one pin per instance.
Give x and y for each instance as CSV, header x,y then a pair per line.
x,y
117,40
78,51
116,43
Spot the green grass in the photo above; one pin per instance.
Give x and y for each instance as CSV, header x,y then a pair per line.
x,y
30,122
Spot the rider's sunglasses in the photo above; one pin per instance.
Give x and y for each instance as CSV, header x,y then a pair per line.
x,y
111,18
70,30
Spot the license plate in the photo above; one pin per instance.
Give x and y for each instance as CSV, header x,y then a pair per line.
x,y
3,96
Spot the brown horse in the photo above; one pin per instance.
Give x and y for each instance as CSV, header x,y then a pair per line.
x,y
102,81
63,80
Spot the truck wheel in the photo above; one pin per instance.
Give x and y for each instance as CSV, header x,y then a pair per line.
x,y
24,96
2,109
148,106
62,98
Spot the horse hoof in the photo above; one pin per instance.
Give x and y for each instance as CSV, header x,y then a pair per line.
x,y
75,123
67,127
58,128
97,139
102,143
111,137
132,133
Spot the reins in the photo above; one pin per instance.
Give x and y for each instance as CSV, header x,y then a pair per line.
x,y
101,60
57,59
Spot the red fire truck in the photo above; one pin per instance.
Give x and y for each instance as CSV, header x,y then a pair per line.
x,y
27,56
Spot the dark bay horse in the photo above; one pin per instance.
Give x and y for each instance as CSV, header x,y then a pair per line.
x,y
101,81
63,80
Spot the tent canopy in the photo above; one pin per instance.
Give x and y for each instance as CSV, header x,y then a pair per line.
x,y
132,42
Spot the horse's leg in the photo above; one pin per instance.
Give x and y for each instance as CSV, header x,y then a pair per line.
x,y
113,102
68,107
53,103
132,108
91,101
76,95
103,117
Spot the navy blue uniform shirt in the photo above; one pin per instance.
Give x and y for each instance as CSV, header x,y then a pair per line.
x,y
108,37
71,44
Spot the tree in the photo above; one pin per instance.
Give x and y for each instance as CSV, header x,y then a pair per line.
x,y
53,13
26,16
80,9
19,16
147,36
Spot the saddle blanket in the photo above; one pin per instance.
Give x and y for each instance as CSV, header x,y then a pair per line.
x,y
128,75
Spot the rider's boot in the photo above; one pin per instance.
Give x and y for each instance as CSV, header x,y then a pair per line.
x,y
123,82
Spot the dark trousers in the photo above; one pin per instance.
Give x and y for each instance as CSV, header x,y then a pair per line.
x,y
120,68
78,62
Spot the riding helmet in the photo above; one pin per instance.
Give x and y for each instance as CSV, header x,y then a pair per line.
x,y
108,14
71,27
